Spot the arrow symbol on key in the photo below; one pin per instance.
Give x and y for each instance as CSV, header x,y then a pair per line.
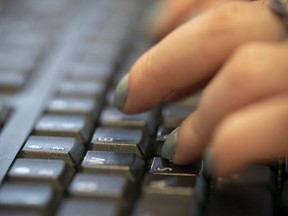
x,y
95,160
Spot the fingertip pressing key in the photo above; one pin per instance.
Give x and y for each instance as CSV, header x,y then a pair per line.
x,y
169,146
121,93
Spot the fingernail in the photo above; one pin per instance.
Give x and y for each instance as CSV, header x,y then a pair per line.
x,y
208,168
169,146
121,92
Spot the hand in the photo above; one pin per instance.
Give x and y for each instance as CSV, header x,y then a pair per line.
x,y
168,14
238,51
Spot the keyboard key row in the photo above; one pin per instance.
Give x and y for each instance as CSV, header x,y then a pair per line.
x,y
55,172
67,149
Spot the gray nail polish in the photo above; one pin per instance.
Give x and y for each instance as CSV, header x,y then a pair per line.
x,y
121,92
208,169
169,146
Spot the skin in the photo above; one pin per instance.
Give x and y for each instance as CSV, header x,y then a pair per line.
x,y
238,51
171,13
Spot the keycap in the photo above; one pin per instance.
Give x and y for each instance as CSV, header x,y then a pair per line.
x,y
168,179
121,140
166,207
241,194
76,207
96,72
101,186
74,106
55,172
11,82
72,88
100,52
75,126
162,166
18,58
259,175
111,117
29,39
127,164
284,198
40,198
19,212
240,200
67,149
173,115
4,114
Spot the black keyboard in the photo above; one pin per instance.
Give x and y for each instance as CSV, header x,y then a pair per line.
x,y
65,151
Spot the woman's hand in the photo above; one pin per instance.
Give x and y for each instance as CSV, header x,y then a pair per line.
x,y
168,14
238,51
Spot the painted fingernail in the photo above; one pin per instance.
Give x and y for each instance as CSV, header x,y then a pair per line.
x,y
208,168
169,146
121,92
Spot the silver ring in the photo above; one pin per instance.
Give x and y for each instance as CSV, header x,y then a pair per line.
x,y
281,8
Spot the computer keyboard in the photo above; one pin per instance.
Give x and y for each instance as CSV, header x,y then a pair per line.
x,y
64,149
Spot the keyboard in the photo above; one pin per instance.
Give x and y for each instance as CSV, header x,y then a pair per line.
x,y
64,149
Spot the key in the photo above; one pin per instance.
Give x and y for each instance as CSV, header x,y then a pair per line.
x,y
11,82
76,207
41,170
100,52
259,175
167,207
111,117
240,200
74,106
284,198
101,186
35,197
173,115
162,166
121,140
75,126
19,212
29,39
96,72
18,58
168,179
67,149
81,89
129,165
245,193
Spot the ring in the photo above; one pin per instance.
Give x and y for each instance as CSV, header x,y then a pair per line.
x,y
281,8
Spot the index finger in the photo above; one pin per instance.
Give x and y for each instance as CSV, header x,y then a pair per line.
x,y
193,53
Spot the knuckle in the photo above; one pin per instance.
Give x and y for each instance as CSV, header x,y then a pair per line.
x,y
228,11
244,68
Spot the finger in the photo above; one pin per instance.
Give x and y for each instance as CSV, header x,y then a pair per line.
x,y
171,13
167,15
194,52
257,133
254,72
